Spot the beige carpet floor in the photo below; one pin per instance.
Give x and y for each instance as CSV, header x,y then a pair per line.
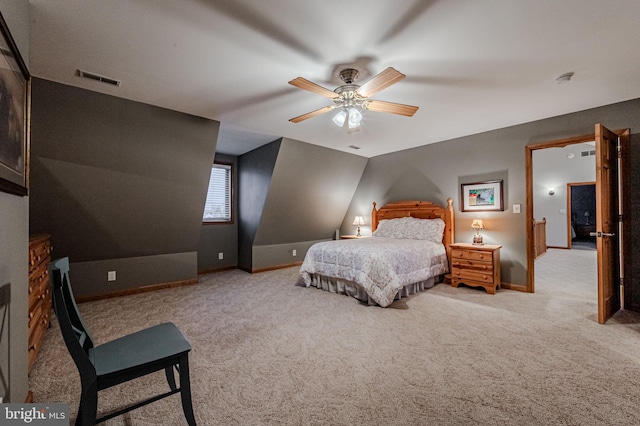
x,y
269,352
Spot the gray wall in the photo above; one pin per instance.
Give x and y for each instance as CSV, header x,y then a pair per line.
x,y
120,185
434,172
221,237
309,191
255,170
14,244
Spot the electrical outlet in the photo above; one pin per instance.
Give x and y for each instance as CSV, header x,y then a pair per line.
x,y
516,208
111,276
220,256
295,252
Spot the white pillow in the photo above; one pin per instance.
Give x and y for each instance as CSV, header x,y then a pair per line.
x,y
411,228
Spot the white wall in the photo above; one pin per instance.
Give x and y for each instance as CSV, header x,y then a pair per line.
x,y
552,168
14,238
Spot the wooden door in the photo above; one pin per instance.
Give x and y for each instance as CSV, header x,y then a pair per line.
x,y
607,232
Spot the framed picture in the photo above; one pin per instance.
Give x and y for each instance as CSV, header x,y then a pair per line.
x,y
14,116
482,196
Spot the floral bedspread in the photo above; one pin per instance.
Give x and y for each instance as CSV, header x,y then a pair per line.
x,y
382,266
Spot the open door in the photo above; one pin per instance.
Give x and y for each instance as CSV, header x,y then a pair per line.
x,y
607,224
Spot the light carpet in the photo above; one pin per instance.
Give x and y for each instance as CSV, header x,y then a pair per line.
x,y
267,351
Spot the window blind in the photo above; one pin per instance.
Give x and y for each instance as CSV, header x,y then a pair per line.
x,y
217,208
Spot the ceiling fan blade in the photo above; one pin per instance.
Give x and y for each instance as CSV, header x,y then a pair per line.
x,y
393,108
312,114
305,84
381,81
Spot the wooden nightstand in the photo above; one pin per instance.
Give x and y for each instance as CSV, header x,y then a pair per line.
x,y
352,237
476,265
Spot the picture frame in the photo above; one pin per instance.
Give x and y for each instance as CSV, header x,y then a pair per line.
x,y
482,196
15,94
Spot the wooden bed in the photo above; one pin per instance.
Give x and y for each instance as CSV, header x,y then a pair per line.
x,y
405,254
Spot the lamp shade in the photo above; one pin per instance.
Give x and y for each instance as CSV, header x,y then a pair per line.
x,y
358,221
477,224
354,118
340,118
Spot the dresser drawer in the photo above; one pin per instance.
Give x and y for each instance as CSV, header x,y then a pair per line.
x,y
39,250
39,279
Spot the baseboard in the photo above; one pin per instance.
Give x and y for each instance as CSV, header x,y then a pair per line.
x,y
138,290
273,268
516,287
558,247
212,270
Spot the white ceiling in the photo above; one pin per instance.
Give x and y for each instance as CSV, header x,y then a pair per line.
x,y
471,65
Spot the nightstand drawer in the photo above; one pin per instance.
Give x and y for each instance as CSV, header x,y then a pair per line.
x,y
472,254
470,274
471,264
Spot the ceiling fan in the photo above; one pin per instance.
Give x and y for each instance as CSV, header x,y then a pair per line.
x,y
350,98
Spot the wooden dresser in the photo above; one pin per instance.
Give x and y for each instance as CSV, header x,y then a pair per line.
x,y
39,293
476,265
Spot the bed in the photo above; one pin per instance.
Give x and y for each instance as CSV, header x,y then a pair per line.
x,y
405,254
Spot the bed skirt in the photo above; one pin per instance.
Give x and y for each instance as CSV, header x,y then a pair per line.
x,y
350,288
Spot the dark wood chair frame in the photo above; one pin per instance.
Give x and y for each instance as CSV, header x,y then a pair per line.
x,y
161,347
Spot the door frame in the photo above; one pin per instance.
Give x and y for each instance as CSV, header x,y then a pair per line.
x,y
560,143
624,143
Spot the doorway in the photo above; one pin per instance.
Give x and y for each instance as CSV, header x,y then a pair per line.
x,y
608,211
581,205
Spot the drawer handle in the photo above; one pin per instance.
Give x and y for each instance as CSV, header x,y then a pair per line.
x,y
484,266
484,277
482,256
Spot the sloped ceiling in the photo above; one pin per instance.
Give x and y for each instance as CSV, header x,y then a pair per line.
x,y
471,66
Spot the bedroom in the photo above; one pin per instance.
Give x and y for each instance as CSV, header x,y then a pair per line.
x,y
286,200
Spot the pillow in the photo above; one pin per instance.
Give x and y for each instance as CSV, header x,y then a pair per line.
x,y
411,228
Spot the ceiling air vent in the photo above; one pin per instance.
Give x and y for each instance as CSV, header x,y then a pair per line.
x,y
97,77
588,153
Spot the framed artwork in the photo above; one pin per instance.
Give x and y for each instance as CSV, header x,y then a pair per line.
x,y
14,116
482,196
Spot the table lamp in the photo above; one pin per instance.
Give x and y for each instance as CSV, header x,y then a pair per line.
x,y
358,221
477,225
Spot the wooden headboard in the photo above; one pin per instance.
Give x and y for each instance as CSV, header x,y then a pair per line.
x,y
420,210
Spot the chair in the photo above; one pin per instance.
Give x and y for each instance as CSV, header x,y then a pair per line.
x,y
159,347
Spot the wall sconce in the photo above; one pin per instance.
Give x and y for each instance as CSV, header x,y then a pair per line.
x,y
358,221
477,225
552,191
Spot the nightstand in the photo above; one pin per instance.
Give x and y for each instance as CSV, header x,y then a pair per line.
x,y
476,265
352,237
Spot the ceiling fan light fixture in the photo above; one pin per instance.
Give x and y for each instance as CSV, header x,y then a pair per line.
x,y
354,118
340,118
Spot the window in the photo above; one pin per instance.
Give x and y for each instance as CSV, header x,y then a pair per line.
x,y
217,208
